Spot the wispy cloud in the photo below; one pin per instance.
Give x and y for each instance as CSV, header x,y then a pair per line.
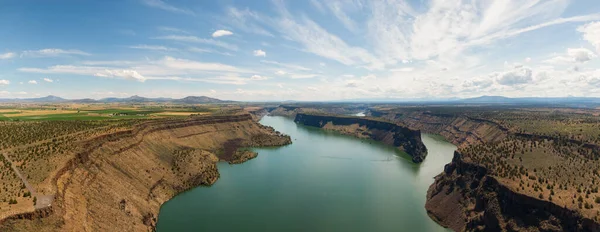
x,y
4,82
167,68
33,82
286,65
48,80
258,78
247,21
204,50
194,39
7,56
165,6
152,47
173,29
48,52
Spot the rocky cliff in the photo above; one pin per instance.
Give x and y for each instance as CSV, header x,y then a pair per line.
x,y
458,129
389,133
118,181
466,197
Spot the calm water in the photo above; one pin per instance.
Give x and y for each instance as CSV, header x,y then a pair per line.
x,y
322,182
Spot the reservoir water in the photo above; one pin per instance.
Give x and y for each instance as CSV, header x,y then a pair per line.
x,y
322,182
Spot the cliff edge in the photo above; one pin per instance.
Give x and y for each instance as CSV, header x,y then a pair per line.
x,y
389,133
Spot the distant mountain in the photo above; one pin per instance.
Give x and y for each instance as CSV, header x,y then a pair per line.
x,y
488,99
200,99
132,99
531,100
47,99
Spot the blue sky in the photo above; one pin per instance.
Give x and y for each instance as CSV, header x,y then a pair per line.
x,y
299,50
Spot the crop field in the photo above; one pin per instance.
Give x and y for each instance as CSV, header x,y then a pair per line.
x,y
70,112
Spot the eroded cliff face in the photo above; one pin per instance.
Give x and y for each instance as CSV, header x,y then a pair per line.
x,y
465,197
285,111
459,130
389,133
118,181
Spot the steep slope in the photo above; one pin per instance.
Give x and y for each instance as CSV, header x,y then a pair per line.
x,y
389,133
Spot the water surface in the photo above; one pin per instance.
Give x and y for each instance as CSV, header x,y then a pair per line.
x,y
321,182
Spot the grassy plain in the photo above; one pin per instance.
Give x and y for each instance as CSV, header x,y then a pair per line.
x,y
65,112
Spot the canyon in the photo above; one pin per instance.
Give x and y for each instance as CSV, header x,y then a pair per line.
x,y
118,180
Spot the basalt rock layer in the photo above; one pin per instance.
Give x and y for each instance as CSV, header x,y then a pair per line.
x,y
389,133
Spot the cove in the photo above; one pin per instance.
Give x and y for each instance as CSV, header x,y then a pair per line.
x,y
322,182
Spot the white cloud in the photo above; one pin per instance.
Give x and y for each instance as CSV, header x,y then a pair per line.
x,y
285,65
152,47
48,80
573,55
204,50
220,33
302,76
194,39
407,69
173,29
164,6
259,53
48,52
258,78
591,33
7,56
312,88
34,82
184,64
280,72
369,77
517,76
168,68
4,82
351,84
125,74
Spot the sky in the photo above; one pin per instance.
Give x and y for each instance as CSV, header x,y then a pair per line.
x,y
308,50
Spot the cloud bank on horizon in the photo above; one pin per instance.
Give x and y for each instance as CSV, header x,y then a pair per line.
x,y
300,50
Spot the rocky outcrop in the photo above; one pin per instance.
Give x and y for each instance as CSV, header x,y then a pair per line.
x,y
465,197
389,133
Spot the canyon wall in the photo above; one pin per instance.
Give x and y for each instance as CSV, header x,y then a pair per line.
x,y
389,133
465,197
457,129
118,181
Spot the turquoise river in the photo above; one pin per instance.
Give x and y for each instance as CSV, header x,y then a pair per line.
x,y
322,182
